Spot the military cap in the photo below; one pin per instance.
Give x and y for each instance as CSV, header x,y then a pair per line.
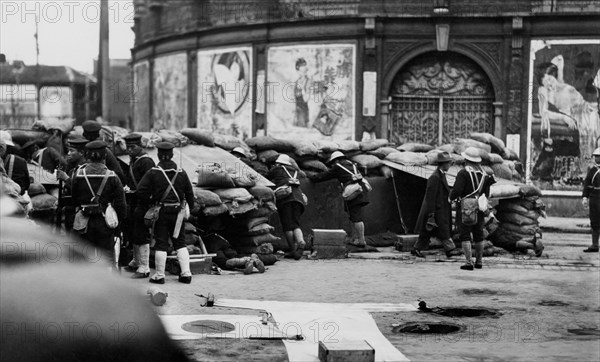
x,y
164,146
91,126
133,139
96,145
78,142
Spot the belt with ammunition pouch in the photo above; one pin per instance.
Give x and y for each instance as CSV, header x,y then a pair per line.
x,y
92,209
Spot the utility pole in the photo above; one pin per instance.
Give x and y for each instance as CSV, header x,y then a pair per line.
x,y
104,62
37,69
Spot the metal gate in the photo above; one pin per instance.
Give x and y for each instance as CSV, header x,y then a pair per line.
x,y
438,100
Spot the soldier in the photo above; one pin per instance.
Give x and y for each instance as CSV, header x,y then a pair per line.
x,y
75,159
48,158
167,186
15,166
591,199
94,187
91,131
139,164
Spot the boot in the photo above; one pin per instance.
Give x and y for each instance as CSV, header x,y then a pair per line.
x,y
160,261
245,263
294,252
258,263
299,238
448,246
183,256
359,234
479,255
466,246
594,247
135,262
143,270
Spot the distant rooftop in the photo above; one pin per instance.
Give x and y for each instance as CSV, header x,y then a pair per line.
x,y
48,74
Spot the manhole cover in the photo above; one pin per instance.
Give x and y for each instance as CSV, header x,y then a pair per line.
x,y
428,328
467,312
479,292
553,303
585,332
208,326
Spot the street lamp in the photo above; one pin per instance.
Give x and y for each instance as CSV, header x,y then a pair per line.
x,y
441,7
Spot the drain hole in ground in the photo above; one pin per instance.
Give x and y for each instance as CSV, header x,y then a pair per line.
x,y
585,332
428,328
208,326
553,303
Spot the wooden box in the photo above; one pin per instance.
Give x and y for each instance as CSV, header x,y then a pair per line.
x,y
329,244
406,242
201,265
346,351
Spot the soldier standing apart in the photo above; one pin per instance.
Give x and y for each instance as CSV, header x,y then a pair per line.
x,y
591,199
170,187
139,164
471,181
94,188
91,131
345,171
435,218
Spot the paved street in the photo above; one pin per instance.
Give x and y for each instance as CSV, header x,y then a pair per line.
x,y
543,302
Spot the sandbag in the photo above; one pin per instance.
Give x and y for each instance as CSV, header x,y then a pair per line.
x,y
259,229
250,222
259,212
215,210
502,170
305,148
509,154
407,158
461,144
415,147
381,152
504,191
367,161
496,143
238,208
63,125
262,249
44,202
22,136
349,145
310,173
313,165
432,156
457,159
238,194
9,187
495,158
262,193
326,146
521,229
36,189
259,167
267,156
228,142
262,143
507,206
176,138
149,139
254,240
212,175
447,148
198,136
204,198
242,178
516,219
529,190
373,144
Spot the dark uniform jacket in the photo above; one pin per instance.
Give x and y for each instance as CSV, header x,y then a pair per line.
x,y
113,164
112,193
336,172
153,185
436,202
591,183
138,168
49,159
463,185
19,172
280,177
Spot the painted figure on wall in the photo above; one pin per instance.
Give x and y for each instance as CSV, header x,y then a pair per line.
x,y
301,93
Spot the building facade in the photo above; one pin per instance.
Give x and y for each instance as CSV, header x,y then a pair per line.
x,y
409,71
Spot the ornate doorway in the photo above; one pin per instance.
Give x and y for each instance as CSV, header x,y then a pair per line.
x,y
438,97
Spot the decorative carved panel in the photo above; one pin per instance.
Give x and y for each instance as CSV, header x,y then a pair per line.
x,y
493,50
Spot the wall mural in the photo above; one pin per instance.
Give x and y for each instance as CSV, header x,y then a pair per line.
x,y
225,92
169,99
310,91
140,96
564,116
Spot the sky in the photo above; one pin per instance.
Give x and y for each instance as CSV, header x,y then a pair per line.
x,y
68,31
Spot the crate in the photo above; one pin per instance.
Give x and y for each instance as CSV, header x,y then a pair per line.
x,y
329,244
406,242
197,265
346,351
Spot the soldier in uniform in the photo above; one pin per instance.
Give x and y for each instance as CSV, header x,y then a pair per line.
x,y
75,159
91,131
139,164
170,187
88,196
15,166
48,158
591,199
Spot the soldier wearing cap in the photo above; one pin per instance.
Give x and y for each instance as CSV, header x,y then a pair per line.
x,y
91,131
75,159
15,166
139,164
168,186
94,187
471,181
435,217
48,158
346,172
591,199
